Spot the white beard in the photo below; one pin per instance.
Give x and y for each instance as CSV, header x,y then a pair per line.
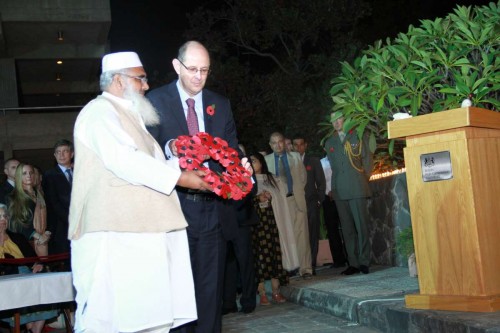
x,y
142,106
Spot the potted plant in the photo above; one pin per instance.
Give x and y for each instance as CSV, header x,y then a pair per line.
x,y
405,247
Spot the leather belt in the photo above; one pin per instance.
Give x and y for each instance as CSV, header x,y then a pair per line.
x,y
197,197
289,195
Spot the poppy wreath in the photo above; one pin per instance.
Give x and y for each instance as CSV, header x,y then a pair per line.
x,y
234,183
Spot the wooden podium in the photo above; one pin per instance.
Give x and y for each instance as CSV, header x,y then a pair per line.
x,y
452,163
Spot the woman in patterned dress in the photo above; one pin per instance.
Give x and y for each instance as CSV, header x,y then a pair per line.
x,y
266,238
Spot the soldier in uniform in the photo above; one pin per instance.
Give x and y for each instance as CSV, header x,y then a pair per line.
x,y
352,164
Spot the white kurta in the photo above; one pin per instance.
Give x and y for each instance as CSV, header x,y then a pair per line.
x,y
130,282
102,133
283,221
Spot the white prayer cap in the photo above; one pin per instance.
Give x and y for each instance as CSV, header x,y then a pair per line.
x,y
120,60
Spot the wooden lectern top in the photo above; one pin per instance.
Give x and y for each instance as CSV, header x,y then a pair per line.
x,y
443,120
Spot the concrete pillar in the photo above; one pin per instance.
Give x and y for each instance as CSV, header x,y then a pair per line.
x,y
8,84
7,151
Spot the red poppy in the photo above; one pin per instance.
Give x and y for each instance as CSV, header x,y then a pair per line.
x,y
211,110
308,168
204,137
331,150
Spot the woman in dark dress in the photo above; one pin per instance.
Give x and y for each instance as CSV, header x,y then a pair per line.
x,y
266,239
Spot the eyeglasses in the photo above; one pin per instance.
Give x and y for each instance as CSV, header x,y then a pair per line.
x,y
142,78
193,70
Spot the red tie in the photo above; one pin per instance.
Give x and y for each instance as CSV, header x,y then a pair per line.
x,y
192,119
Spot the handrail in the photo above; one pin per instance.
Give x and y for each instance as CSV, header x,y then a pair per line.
x,y
4,110
29,260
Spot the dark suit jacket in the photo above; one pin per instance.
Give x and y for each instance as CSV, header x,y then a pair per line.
x,y
57,192
173,122
167,101
316,183
245,210
5,190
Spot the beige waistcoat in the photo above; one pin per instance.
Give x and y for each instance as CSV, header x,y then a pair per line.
x,y
100,201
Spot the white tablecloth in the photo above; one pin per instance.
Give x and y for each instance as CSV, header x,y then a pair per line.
x,y
20,290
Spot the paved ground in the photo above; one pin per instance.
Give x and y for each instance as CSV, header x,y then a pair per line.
x,y
331,302
288,317
281,318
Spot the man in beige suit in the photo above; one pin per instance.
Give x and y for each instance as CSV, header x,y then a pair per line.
x,y
289,169
129,248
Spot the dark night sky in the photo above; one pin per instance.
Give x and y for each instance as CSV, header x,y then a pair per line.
x,y
155,33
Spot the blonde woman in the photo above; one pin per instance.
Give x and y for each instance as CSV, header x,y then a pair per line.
x,y
27,209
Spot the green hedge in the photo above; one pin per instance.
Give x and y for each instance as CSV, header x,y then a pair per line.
x,y
431,68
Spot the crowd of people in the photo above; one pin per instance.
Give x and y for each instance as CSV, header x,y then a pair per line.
x,y
34,209
153,249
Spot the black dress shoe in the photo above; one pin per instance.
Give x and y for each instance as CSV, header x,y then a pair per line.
x,y
294,273
350,271
364,269
247,310
225,311
337,265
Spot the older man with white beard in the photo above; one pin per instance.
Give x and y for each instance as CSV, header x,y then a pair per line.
x,y
130,255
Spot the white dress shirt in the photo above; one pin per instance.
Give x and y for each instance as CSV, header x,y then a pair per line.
x,y
198,108
327,169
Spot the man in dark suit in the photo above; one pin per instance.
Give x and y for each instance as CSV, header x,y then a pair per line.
x,y
315,193
9,169
352,164
209,218
332,219
240,265
57,184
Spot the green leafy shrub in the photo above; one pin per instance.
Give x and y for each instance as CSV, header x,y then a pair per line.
x,y
429,69
404,242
